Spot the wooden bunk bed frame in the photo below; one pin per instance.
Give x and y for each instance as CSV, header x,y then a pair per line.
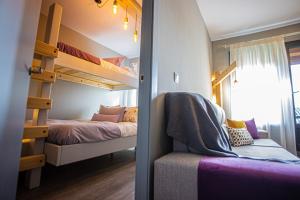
x,y
77,70
217,79
51,65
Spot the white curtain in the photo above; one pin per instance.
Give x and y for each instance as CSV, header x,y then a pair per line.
x,y
263,88
130,98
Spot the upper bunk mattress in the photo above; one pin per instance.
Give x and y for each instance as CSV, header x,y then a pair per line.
x,y
77,53
67,132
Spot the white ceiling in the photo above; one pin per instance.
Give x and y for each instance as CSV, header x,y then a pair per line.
x,y
100,25
231,18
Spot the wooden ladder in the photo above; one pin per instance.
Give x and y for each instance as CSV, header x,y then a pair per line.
x,y
36,131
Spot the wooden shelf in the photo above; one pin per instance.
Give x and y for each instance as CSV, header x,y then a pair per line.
x,y
31,132
45,49
39,103
32,162
46,76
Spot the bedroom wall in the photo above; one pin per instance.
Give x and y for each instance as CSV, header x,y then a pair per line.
x,y
70,100
181,44
187,51
221,54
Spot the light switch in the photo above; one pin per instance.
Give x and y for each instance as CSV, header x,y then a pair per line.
x,y
176,77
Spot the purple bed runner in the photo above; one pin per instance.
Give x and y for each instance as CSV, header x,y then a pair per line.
x,y
237,178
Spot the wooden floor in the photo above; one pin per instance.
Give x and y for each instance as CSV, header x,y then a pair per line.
x,y
102,178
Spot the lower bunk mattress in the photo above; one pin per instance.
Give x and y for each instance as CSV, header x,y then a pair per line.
x,y
181,176
68,132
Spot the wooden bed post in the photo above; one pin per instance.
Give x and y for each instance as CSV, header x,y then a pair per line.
x,y
40,116
217,80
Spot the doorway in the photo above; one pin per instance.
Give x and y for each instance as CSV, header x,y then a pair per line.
x,y
293,49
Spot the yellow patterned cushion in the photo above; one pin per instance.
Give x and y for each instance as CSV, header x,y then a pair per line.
x,y
131,114
236,124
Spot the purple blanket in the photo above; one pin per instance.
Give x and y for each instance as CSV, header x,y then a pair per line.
x,y
236,178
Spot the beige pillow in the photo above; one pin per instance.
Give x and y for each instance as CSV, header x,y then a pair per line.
x,y
131,114
114,110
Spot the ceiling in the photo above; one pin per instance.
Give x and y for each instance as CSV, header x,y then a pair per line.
x,y
231,18
100,25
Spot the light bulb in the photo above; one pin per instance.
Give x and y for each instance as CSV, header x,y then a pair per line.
x,y
135,36
115,7
125,25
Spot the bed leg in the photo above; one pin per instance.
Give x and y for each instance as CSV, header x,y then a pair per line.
x,y
33,178
111,156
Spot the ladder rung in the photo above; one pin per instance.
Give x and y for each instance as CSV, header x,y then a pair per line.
x,y
32,162
31,132
38,103
45,49
36,63
46,76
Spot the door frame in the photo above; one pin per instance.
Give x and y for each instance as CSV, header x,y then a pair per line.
x,y
18,22
147,88
289,45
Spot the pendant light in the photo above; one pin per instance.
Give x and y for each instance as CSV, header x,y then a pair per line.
x,y
125,25
135,35
115,7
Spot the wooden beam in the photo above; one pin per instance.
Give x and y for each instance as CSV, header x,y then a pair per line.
x,y
224,74
39,103
32,132
45,49
32,162
45,76
83,81
40,117
217,90
131,4
122,87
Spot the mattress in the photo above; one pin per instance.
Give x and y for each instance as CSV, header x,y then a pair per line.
x,y
77,53
67,132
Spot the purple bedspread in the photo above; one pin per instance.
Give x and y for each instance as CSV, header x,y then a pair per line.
x,y
237,178
66,132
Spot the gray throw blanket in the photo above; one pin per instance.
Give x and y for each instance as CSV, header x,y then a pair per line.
x,y
196,122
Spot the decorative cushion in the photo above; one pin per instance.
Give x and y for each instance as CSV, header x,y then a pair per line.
x,y
130,114
115,60
115,110
239,137
106,118
236,124
251,127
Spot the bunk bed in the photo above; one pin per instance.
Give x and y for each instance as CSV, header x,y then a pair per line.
x,y
50,63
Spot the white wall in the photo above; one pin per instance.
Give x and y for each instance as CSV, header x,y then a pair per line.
x,y
180,44
74,101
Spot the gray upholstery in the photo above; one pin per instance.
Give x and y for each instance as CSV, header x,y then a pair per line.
x,y
175,174
175,177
